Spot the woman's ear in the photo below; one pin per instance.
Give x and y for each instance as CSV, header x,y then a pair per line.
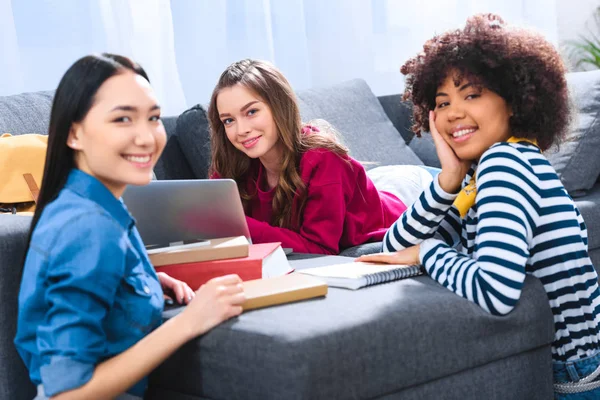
x,y
74,135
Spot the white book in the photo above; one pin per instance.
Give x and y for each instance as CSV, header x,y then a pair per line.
x,y
360,274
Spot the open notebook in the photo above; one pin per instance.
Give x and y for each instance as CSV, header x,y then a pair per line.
x,y
360,274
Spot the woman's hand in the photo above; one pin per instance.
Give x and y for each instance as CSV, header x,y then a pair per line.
x,y
454,169
174,288
408,256
216,301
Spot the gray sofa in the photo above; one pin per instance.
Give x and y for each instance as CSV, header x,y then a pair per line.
x,y
408,339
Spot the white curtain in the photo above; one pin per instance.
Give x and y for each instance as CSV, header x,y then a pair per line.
x,y
185,44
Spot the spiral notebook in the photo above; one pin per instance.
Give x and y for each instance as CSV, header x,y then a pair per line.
x,y
360,274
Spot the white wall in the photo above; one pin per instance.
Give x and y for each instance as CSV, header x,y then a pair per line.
x,y
573,17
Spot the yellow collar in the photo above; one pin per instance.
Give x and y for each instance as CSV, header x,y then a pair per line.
x,y
466,198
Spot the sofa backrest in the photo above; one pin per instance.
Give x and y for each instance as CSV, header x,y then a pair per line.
x,y
375,129
350,107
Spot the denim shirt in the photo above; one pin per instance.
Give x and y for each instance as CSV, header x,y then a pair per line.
x,y
88,290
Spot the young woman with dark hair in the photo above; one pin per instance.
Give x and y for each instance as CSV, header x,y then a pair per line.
x,y
90,303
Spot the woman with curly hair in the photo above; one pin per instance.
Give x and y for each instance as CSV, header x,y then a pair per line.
x,y
298,184
494,98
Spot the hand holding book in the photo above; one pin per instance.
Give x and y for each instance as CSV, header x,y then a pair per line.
x,y
408,256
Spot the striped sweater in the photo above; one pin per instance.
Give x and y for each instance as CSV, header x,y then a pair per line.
x,y
523,222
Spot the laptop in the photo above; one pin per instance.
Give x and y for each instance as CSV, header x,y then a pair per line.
x,y
175,212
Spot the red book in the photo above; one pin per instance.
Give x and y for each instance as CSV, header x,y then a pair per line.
x,y
264,260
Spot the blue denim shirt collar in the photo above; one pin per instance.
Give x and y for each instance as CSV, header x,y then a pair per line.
x,y
90,187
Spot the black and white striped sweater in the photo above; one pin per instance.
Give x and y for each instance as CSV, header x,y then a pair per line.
x,y
523,222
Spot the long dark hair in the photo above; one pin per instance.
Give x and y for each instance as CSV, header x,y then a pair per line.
x,y
72,101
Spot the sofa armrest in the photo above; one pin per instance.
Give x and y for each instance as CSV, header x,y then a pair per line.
x,y
14,378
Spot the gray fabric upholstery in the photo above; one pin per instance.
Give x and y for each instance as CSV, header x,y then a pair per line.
x,y
577,161
590,210
172,164
524,376
14,378
589,206
400,113
355,112
367,248
315,349
26,113
194,136
425,148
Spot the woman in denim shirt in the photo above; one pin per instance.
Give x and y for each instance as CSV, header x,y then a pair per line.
x,y
90,302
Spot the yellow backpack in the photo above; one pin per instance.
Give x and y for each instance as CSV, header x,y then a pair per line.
x,y
22,159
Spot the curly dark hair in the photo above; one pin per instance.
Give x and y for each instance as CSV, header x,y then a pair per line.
x,y
517,64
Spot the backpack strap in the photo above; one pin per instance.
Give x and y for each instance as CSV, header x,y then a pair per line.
x,y
33,187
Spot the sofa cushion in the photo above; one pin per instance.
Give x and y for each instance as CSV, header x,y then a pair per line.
x,y
194,136
361,344
356,113
172,164
424,148
26,113
400,113
576,160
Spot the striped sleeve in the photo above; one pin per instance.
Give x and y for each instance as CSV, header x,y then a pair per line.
x,y
583,228
493,275
432,215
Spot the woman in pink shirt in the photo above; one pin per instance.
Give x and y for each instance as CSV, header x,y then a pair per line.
x,y
298,184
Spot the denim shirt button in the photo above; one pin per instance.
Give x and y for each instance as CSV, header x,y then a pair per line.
x,y
146,290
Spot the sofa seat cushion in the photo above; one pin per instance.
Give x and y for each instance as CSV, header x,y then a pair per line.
x,y
194,135
356,113
354,344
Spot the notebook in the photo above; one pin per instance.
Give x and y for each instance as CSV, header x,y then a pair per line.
x,y
360,274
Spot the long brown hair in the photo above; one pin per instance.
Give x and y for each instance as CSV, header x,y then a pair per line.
x,y
269,84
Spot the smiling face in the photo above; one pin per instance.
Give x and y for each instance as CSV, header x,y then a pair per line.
x,y
249,123
122,136
470,118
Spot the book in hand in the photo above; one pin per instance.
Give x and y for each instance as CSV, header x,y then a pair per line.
x,y
282,289
356,275
263,261
214,249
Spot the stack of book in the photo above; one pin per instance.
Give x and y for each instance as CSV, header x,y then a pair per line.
x,y
197,263
264,268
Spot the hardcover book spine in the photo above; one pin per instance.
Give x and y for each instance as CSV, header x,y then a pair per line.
x,y
197,274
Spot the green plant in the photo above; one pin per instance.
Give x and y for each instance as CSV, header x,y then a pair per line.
x,y
586,50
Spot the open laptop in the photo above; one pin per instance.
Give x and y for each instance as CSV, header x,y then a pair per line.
x,y
173,212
